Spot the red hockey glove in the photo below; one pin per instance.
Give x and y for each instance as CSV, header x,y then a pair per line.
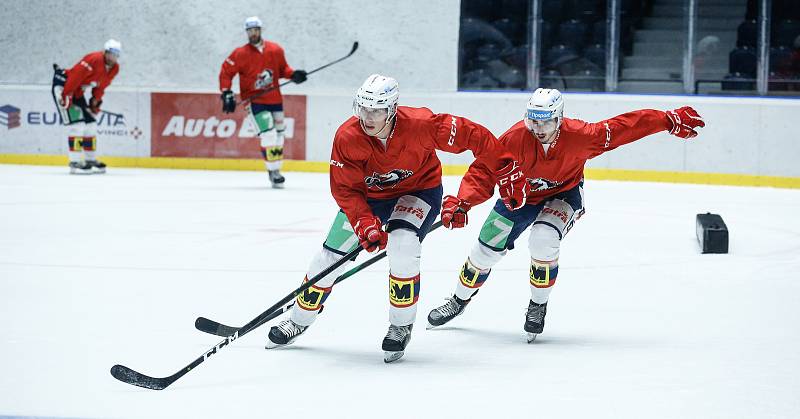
x,y
94,106
454,212
370,234
513,186
684,120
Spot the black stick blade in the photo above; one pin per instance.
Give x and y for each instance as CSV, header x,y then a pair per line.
x,y
210,326
355,47
129,376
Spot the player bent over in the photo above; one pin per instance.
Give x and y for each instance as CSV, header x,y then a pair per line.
x,y
552,150
95,70
260,65
384,171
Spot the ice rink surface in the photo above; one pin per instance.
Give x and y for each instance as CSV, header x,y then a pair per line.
x,y
98,270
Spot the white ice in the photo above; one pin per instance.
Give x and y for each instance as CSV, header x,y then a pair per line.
x,y
98,270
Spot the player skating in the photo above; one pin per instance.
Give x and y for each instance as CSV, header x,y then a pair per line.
x,y
552,151
384,171
96,71
260,64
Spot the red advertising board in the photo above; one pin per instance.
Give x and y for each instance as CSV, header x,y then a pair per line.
x,y
193,125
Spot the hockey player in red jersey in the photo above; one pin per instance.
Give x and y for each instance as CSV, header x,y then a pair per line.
x,y
552,151
384,172
96,71
260,65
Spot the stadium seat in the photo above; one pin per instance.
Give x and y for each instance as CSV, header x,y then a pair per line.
x,y
747,33
780,60
596,53
738,81
558,54
551,11
551,79
572,33
513,29
478,79
786,31
742,60
587,11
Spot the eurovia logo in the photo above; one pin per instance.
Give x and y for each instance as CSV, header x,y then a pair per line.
x,y
109,123
10,116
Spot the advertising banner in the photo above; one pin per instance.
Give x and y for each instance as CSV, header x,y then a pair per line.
x,y
193,125
29,123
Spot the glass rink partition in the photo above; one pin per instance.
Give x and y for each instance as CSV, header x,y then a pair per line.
x,y
720,47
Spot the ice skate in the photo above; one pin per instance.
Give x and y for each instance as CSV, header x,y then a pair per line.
x,y
277,179
534,320
96,166
453,307
284,334
395,342
79,168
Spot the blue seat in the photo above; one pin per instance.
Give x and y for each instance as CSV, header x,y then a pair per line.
x,y
588,11
513,29
747,33
517,57
596,53
785,9
742,60
551,79
786,32
558,54
551,11
572,33
598,32
780,60
488,52
738,81
478,79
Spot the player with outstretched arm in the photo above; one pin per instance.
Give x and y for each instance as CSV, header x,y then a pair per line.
x,y
552,151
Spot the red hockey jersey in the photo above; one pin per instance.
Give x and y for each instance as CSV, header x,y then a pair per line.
x,y
91,71
257,70
361,167
561,168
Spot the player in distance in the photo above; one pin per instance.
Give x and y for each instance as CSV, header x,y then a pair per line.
x,y
260,65
94,71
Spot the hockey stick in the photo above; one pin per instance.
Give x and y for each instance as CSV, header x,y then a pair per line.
x,y
129,376
271,88
215,328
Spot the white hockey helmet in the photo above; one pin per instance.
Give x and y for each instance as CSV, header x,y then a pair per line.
x,y
545,104
113,46
252,22
377,92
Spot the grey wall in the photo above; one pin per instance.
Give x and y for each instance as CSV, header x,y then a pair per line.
x,y
182,44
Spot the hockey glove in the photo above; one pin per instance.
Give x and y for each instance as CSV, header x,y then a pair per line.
x,y
299,76
684,121
228,102
94,106
513,186
370,234
454,212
